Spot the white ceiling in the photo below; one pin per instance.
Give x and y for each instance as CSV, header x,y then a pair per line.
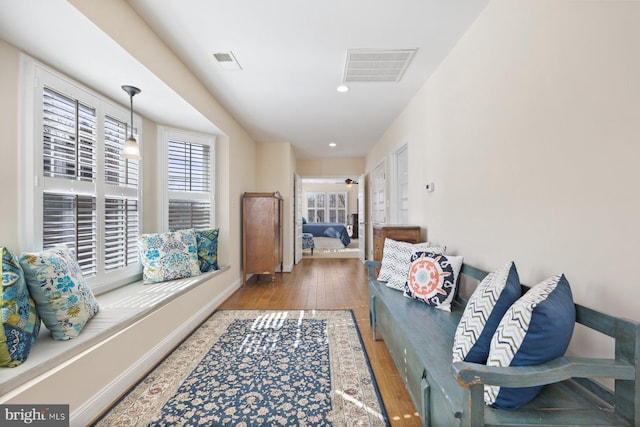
x,y
292,54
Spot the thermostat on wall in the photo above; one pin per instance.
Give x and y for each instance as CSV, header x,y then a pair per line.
x,y
429,187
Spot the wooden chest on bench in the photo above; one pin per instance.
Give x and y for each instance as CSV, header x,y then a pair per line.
x,y
420,340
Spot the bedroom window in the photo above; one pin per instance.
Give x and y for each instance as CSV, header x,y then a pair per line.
x,y
327,207
189,174
316,205
76,190
337,207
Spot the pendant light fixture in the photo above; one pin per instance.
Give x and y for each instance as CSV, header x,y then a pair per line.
x,y
131,150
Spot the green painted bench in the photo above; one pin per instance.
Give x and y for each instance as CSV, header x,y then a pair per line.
x,y
420,340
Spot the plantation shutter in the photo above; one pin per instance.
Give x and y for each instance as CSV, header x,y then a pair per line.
x,y
72,199
68,157
71,220
121,232
69,138
121,212
189,185
118,171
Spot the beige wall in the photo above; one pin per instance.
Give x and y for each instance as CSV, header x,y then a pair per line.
x,y
275,169
348,167
530,131
9,146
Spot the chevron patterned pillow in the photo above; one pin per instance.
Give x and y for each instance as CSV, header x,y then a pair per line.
x,y
485,308
536,329
396,258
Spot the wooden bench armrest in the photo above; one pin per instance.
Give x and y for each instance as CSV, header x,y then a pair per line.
x,y
371,265
556,370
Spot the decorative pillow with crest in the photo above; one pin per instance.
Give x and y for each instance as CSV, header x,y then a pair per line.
x,y
396,258
433,279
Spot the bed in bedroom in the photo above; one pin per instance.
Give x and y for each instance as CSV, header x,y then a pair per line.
x,y
327,229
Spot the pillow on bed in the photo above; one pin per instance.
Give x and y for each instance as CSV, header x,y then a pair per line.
x,y
20,319
396,258
433,279
483,312
536,329
331,232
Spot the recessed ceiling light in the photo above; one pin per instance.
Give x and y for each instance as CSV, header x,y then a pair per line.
x,y
342,88
332,144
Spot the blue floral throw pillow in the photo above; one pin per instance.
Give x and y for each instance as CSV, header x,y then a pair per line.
x,y
433,279
536,329
63,299
483,312
208,249
169,256
20,320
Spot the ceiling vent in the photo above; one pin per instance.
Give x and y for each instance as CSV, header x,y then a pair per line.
x,y
373,65
227,61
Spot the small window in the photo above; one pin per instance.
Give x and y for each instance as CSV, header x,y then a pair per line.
x,y
327,207
189,177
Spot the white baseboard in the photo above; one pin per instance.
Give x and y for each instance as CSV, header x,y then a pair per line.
x,y
87,412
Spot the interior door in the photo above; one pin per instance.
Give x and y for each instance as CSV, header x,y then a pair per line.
x,y
362,235
297,218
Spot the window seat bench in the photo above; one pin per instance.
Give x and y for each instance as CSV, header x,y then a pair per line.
x,y
119,309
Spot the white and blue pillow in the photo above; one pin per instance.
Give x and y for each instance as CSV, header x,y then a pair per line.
x,y
169,256
433,279
396,258
483,313
536,329
63,299
20,319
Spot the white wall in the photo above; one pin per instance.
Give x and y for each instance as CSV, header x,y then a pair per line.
x,y
530,130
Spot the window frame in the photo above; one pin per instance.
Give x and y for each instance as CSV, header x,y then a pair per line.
x,y
327,208
165,135
34,77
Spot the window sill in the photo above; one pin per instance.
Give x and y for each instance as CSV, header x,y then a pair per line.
x,y
119,309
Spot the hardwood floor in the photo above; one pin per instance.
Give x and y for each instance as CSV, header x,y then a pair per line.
x,y
333,283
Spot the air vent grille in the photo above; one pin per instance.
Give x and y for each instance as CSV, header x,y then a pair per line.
x,y
227,60
372,65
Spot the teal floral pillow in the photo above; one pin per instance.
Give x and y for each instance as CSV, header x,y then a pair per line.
x,y
20,319
208,249
63,299
169,256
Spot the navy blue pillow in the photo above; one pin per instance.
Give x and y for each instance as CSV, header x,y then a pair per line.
x,y
483,313
536,329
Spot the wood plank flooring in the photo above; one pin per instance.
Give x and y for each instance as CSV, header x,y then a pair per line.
x,y
333,283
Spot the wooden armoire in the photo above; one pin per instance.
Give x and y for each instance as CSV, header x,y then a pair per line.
x,y
261,234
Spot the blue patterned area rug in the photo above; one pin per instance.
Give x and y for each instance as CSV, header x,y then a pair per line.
x,y
260,368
